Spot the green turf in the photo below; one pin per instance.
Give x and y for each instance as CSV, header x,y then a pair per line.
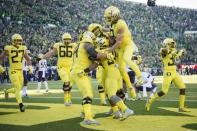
x,y
46,112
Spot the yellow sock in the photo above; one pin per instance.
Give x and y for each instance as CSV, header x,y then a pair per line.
x,y
114,108
133,93
69,96
154,98
87,111
182,101
121,105
66,96
11,90
102,97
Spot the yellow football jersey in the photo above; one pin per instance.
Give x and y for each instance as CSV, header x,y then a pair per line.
x,y
15,56
81,59
127,37
169,60
65,54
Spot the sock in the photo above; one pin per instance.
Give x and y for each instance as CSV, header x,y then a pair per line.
x,y
153,98
69,96
87,111
39,86
102,97
46,85
66,96
133,93
182,101
24,90
11,90
121,105
114,108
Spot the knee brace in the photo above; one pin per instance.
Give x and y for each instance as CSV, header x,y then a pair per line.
x,y
120,93
161,93
114,99
86,100
100,89
182,92
66,87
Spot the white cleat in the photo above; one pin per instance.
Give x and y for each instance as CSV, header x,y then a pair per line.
x,y
127,113
90,122
67,104
117,115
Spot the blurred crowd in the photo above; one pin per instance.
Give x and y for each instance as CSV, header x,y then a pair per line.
x,y
42,22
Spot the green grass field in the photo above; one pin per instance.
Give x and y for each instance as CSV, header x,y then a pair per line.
x,y
46,112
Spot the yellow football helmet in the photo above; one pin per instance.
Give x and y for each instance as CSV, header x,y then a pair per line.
x,y
66,36
95,28
111,14
17,39
169,43
88,35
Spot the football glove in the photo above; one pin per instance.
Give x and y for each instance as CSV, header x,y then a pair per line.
x,y
182,52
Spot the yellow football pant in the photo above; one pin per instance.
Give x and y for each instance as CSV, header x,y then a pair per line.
x,y
113,81
174,77
64,73
124,58
16,77
85,86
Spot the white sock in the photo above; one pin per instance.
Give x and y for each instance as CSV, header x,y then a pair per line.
x,y
24,91
39,86
46,85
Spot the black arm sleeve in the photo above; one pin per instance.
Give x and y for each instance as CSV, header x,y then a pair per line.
x,y
92,52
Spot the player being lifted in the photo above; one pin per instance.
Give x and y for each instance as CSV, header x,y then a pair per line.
x,y
112,79
123,44
169,55
15,52
42,73
85,56
64,50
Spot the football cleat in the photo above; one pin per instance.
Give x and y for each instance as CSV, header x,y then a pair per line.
x,y
90,122
67,103
22,107
117,115
127,113
184,109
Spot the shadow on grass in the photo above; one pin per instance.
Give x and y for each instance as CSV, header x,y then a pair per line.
x,y
192,126
68,125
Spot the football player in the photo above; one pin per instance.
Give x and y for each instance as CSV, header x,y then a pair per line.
x,y
148,86
15,52
97,30
86,55
64,50
25,77
123,44
42,70
169,55
111,77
